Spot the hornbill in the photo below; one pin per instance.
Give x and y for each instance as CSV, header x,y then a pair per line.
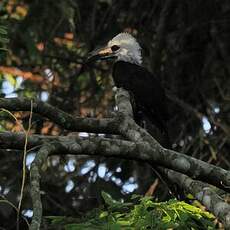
x,y
128,73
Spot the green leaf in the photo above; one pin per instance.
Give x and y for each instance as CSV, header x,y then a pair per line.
x,y
3,30
4,40
145,214
11,79
115,226
104,214
108,199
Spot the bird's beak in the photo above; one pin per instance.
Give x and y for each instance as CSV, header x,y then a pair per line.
x,y
100,54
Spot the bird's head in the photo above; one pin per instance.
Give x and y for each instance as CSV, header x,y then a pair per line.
x,y
122,47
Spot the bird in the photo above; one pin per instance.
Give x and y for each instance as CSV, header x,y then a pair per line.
x,y
148,95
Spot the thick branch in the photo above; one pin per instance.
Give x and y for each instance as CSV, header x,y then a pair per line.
x,y
68,147
141,146
206,194
36,166
88,146
155,153
91,125
180,162
122,98
120,149
140,151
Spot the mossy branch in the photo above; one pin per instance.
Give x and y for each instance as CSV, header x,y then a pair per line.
x,y
138,145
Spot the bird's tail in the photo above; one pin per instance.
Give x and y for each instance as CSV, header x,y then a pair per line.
x,y
159,132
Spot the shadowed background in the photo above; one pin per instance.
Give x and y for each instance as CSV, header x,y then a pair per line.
x,y
185,44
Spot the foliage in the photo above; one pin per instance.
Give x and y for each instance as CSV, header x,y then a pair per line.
x,y
142,213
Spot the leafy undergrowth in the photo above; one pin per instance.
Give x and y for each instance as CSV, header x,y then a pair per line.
x,y
142,213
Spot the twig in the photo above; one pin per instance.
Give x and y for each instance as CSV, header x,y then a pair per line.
x,y
4,200
24,164
24,160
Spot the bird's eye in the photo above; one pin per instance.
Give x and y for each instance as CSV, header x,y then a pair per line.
x,y
115,48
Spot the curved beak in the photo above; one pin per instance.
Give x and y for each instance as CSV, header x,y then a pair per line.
x,y
100,54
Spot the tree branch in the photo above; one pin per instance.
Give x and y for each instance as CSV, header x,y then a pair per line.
x,y
142,146
36,166
65,120
112,148
148,149
182,163
122,99
203,192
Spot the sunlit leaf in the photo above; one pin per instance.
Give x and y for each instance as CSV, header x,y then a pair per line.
x,y
147,214
11,79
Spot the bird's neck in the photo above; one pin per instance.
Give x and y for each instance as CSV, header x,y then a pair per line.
x,y
129,60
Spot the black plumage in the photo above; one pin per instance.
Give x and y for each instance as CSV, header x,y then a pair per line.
x,y
148,95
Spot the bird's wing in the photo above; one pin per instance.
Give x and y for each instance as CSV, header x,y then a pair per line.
x,y
148,93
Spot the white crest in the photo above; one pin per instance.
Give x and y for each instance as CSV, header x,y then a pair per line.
x,y
130,50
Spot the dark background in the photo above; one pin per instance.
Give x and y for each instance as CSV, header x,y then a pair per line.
x,y
185,44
